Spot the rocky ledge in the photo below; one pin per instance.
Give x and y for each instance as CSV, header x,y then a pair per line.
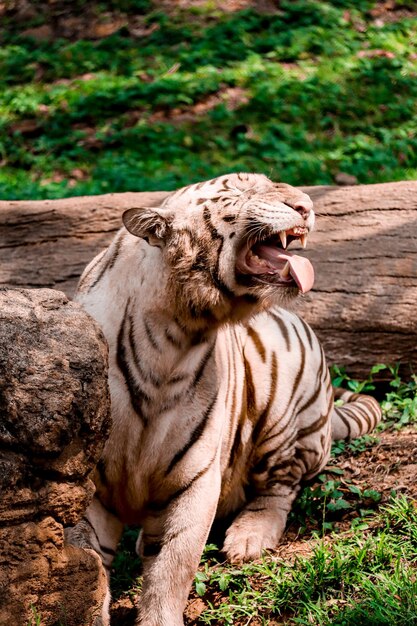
x,y
54,419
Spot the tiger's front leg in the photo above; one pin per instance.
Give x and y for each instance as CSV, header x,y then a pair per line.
x,y
261,523
274,485
174,535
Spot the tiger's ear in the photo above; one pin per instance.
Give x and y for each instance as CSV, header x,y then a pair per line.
x,y
147,223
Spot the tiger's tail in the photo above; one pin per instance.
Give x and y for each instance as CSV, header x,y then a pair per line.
x,y
357,416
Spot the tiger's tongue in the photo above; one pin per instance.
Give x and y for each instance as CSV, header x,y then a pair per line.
x,y
301,269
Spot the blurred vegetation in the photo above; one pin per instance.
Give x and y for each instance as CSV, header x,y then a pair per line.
x,y
161,97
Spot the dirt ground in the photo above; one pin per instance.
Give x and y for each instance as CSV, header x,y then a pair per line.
x,y
388,466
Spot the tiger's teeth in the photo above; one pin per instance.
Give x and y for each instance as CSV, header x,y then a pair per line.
x,y
285,272
283,237
303,240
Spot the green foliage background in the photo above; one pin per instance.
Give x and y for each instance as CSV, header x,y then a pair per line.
x,y
318,88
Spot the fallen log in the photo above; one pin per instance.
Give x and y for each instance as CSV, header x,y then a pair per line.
x,y
364,302
364,249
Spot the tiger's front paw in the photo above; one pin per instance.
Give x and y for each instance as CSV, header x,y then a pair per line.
x,y
156,619
248,536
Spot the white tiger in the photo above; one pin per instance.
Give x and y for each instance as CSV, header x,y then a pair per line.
x,y
221,400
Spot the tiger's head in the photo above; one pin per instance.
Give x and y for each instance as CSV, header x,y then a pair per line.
x,y
223,245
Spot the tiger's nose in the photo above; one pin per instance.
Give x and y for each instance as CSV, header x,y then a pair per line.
x,y
303,207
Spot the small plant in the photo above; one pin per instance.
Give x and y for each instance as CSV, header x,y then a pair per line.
x,y
36,619
340,376
328,499
200,582
126,567
354,447
399,407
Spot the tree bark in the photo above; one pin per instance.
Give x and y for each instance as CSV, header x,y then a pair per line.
x,y
364,250
364,302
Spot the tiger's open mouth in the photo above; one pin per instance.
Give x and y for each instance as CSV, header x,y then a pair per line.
x,y
268,261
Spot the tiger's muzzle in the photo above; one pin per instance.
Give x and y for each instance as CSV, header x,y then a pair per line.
x,y
266,260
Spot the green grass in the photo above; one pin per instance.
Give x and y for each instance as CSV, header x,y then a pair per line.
x,y
352,580
83,117
36,619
